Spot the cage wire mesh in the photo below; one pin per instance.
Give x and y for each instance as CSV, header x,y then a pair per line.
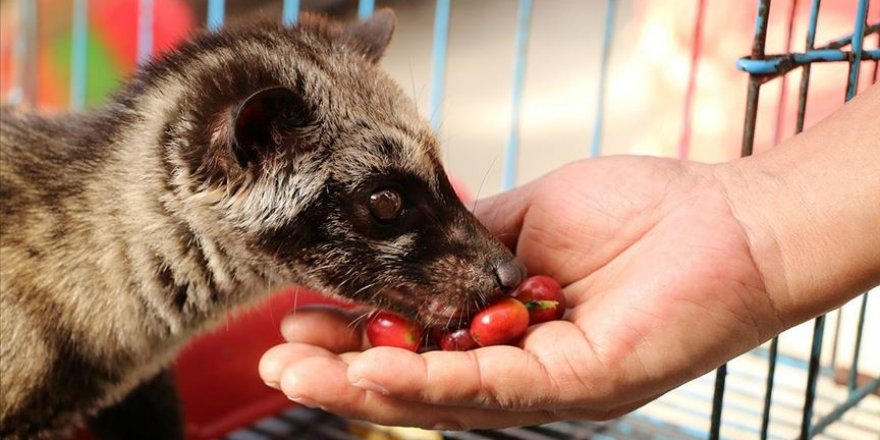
x,y
816,391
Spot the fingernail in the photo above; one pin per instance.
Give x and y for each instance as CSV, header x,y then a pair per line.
x,y
371,386
304,401
271,384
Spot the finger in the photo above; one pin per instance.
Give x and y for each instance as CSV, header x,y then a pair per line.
x,y
500,377
321,382
324,326
503,214
275,360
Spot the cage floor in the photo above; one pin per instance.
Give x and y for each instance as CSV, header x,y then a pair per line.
x,y
680,414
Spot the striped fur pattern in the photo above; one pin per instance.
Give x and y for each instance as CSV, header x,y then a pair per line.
x,y
130,228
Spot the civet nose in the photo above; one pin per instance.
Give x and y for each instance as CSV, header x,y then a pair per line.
x,y
510,273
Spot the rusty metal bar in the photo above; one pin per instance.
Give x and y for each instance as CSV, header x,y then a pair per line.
x,y
841,409
748,141
768,391
805,76
858,40
847,40
718,403
812,378
776,65
854,368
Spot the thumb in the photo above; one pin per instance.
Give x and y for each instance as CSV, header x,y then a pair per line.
x,y
503,214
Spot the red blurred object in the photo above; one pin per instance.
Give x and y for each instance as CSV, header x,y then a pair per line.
x,y
217,373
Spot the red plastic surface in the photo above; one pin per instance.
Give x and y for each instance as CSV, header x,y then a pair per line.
x,y
216,374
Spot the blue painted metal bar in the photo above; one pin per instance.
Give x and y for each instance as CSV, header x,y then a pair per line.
x,y
780,64
24,56
79,54
849,403
805,77
31,66
858,40
366,8
812,377
519,72
438,61
290,12
718,403
754,88
768,390
847,39
216,14
854,369
145,30
876,63
834,342
751,115
607,39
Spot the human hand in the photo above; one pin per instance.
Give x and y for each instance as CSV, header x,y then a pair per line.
x,y
661,284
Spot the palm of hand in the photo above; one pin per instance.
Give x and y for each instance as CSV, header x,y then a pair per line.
x,y
661,288
658,275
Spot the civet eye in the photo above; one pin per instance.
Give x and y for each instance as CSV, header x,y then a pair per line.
x,y
386,204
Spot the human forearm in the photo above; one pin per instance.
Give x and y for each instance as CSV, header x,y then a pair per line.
x,y
811,210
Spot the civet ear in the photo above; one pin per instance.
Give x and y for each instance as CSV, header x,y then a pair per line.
x,y
371,36
265,121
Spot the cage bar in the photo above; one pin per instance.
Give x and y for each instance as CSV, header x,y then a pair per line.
x,y
805,75
838,412
847,39
761,22
24,86
768,390
777,65
216,14
858,39
854,368
876,62
79,61
718,403
812,377
366,8
519,72
607,40
290,12
834,341
684,142
145,30
754,82
438,61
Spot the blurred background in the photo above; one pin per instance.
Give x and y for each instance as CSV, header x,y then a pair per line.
x,y
658,49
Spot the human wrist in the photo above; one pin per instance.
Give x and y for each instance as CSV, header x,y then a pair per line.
x,y
811,210
750,200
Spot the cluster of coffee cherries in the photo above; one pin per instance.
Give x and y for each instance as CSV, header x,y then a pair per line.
x,y
537,299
